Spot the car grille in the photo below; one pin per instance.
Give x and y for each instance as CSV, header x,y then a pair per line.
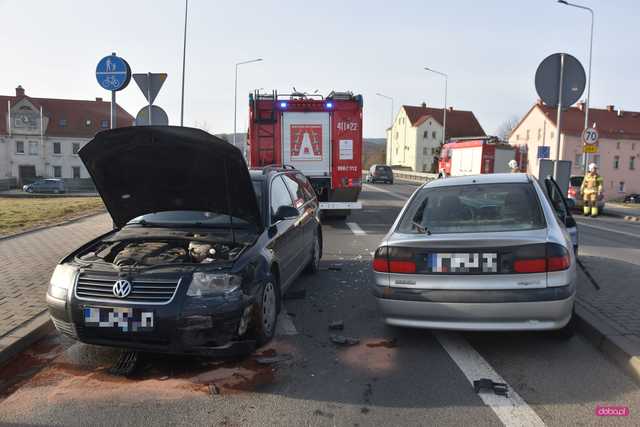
x,y
144,290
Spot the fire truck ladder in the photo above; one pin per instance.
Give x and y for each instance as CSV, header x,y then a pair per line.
x,y
266,128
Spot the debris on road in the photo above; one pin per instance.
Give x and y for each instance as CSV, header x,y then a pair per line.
x,y
126,363
342,340
388,343
337,325
295,294
270,360
501,389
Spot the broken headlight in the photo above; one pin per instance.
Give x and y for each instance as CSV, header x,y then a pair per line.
x,y
213,284
62,280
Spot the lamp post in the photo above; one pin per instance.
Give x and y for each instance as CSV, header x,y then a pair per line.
x,y
389,148
444,119
235,95
390,99
184,53
586,112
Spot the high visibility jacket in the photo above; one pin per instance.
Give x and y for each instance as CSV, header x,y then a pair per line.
x,y
592,183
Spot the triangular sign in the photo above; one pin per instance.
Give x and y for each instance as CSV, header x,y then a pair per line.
x,y
150,84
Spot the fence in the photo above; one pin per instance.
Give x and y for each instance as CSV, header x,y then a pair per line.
x,y
420,177
8,184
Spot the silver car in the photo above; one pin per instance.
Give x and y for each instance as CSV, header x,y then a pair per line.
x,y
488,252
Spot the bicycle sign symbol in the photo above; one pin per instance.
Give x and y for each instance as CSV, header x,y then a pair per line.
x,y
111,82
113,73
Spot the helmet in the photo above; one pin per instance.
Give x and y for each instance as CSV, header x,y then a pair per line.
x,y
592,167
513,164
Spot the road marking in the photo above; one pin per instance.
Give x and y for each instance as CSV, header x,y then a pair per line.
x,y
285,324
382,190
355,228
610,230
512,410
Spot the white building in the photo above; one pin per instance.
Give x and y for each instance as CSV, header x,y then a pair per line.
x,y
415,138
48,148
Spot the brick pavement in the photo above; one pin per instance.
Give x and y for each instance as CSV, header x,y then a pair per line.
x,y
27,261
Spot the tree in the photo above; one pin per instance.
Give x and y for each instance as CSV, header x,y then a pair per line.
x,y
505,129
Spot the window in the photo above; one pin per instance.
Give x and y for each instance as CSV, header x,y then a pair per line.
x,y
517,137
434,151
104,124
424,167
596,159
396,134
57,149
424,151
57,171
309,192
425,135
633,145
616,162
87,122
618,145
76,172
62,123
528,133
33,148
433,134
75,147
296,190
578,161
621,187
551,135
632,162
19,147
279,195
539,134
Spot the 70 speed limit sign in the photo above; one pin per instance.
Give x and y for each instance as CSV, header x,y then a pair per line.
x,y
590,136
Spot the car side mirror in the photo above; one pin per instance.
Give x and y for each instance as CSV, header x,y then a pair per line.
x,y
286,212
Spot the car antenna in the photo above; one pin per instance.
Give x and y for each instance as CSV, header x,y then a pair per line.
x,y
226,184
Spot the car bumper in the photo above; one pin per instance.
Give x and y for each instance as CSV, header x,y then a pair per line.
x,y
202,327
546,309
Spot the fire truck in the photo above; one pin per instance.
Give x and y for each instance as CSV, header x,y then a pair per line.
x,y
319,136
473,156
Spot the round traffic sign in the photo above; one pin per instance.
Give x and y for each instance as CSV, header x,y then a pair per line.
x,y
158,117
590,136
548,80
113,73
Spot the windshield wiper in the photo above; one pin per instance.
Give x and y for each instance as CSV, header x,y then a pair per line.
x,y
422,229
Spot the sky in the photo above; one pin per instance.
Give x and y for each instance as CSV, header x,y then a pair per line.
x,y
490,50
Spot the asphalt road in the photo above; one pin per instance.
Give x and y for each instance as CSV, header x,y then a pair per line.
x,y
392,377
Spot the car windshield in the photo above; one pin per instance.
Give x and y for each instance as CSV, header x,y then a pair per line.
x,y
576,181
187,218
474,208
382,168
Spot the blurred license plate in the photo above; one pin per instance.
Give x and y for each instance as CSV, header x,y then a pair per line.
x,y
125,319
462,262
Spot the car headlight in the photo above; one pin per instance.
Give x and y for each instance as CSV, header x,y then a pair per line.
x,y
213,284
62,280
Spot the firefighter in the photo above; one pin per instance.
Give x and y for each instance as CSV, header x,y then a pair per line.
x,y
591,189
513,165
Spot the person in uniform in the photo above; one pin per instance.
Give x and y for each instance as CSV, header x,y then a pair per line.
x,y
591,189
513,165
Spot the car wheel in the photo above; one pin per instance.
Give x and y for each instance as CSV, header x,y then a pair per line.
x,y
267,312
314,264
569,330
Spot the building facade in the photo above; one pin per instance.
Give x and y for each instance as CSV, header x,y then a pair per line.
x,y
415,137
618,145
41,137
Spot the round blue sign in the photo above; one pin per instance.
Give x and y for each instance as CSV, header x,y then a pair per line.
x,y
113,73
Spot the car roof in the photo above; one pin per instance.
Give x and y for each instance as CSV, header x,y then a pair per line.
x,y
491,178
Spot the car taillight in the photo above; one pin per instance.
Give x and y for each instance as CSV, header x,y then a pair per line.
x,y
393,260
554,258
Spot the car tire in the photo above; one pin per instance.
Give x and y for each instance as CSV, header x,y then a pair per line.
x,y
266,312
391,182
568,330
316,253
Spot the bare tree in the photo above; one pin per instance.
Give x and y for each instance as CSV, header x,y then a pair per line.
x,y
505,129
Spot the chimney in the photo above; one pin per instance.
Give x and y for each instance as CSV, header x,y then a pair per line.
x,y
620,112
423,105
98,99
19,91
610,108
450,108
581,105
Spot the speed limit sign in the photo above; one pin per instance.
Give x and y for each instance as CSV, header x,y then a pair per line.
x,y
590,136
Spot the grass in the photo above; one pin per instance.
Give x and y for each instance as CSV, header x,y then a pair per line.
x,y
19,214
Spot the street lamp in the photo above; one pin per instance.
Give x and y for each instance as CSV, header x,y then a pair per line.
x,y
389,148
586,113
390,99
235,95
184,53
444,119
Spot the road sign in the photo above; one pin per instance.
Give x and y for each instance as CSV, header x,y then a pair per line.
x,y
113,73
548,80
544,152
158,117
590,148
590,136
150,84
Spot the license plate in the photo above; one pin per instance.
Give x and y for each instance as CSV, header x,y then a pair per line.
x,y
125,319
462,262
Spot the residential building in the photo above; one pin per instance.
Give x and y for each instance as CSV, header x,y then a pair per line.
x,y
618,145
415,137
48,148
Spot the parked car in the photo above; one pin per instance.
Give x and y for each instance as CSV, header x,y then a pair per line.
x,y
484,252
382,173
632,198
202,252
575,181
49,185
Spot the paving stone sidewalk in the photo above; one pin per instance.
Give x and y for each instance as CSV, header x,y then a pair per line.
x,y
27,261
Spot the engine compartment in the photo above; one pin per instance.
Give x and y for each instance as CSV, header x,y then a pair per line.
x,y
147,253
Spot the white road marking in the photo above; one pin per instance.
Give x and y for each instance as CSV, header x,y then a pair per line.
x,y
610,230
382,190
285,324
355,228
512,410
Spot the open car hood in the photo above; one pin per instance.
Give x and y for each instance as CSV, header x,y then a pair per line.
x,y
146,169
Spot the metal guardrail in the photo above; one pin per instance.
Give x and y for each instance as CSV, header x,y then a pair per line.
x,y
8,184
420,177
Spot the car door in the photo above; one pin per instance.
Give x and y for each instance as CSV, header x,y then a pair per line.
x,y
306,222
284,245
562,208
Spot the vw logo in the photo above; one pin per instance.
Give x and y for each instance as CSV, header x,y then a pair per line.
x,y
122,288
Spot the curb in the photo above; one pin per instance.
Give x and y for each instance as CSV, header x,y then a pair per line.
x,y
56,224
616,346
21,337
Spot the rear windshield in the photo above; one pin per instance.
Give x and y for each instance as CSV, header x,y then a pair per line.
x,y
382,168
576,181
474,208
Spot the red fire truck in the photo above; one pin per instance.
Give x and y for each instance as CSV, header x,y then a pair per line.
x,y
473,156
320,136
